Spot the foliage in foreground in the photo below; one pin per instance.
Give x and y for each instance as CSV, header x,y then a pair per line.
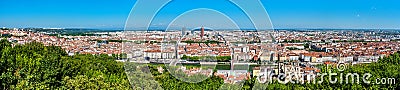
x,y
35,66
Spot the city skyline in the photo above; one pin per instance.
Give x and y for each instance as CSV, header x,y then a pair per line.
x,y
199,44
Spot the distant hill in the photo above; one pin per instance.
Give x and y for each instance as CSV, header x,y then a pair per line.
x,y
205,29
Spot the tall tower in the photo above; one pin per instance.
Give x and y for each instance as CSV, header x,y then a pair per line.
x,y
183,32
202,32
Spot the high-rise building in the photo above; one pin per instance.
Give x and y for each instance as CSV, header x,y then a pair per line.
x,y
183,32
202,32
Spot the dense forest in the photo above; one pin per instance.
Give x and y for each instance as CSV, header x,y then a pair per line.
x,y
35,66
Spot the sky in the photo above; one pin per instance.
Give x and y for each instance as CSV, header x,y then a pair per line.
x,y
106,14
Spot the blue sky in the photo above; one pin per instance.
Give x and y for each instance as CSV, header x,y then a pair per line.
x,y
283,13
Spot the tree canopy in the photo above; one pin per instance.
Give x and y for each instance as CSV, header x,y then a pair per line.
x,y
35,66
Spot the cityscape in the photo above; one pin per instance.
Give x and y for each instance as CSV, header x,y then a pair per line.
x,y
199,45
305,49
